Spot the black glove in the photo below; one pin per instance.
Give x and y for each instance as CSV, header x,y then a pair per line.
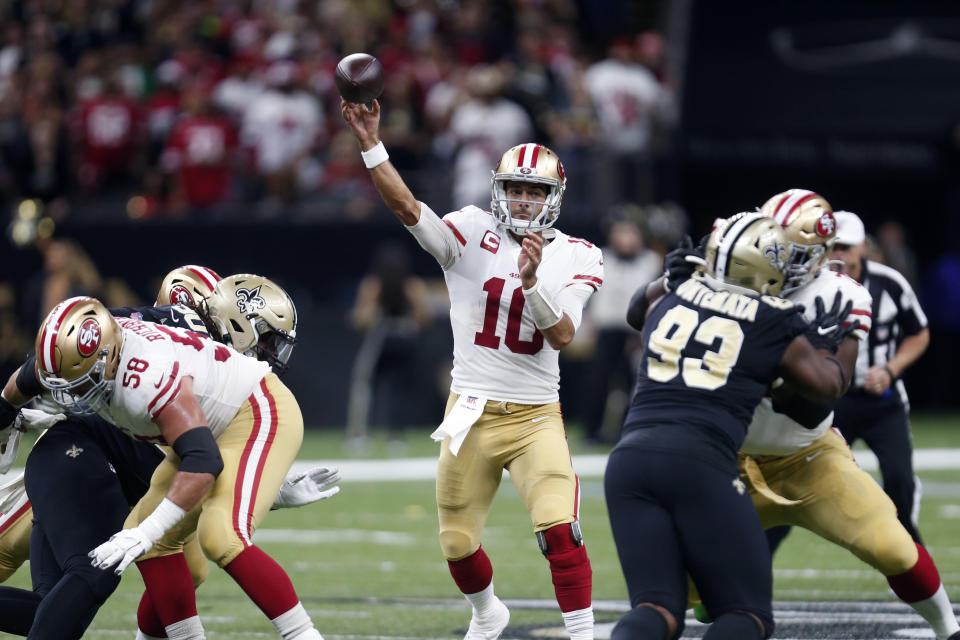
x,y
680,263
827,330
8,413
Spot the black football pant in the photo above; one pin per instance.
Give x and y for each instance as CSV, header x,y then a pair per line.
x,y
80,477
882,422
674,515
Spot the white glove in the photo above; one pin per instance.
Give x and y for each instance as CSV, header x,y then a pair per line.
x,y
310,486
36,420
123,547
128,545
10,439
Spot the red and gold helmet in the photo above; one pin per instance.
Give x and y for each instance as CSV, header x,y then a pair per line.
x,y
78,349
528,163
187,285
747,251
810,228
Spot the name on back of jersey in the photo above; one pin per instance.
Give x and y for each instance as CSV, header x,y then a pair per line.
x,y
729,303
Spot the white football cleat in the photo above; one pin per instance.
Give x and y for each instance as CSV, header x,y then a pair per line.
x,y
491,625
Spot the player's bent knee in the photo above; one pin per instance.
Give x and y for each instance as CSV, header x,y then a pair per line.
x,y
218,540
647,620
457,545
101,583
890,550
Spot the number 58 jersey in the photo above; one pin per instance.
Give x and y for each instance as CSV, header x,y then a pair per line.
x,y
709,357
154,360
497,350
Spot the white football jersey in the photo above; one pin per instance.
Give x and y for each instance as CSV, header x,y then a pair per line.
x,y
497,350
155,358
772,433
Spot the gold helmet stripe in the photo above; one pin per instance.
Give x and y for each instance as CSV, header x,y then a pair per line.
x,y
48,339
790,204
729,240
209,276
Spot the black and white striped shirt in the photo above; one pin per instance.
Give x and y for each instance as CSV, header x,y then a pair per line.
x,y
896,315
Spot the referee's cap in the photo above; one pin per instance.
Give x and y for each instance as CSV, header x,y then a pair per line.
x,y
850,229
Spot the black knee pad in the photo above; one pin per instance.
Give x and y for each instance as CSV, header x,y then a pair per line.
x,y
645,622
739,625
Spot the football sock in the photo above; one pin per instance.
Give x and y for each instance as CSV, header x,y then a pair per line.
x,y
170,584
920,587
17,609
641,622
579,624
472,574
295,624
481,600
264,581
148,622
735,626
570,567
938,612
189,629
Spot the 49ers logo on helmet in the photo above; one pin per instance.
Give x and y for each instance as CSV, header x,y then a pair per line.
x,y
826,225
88,337
179,294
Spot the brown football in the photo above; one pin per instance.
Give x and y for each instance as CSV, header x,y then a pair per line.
x,y
359,77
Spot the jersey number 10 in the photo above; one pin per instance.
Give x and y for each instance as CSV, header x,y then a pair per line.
x,y
488,336
673,333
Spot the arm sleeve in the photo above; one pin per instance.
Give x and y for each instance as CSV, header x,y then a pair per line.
x,y
440,238
587,280
861,311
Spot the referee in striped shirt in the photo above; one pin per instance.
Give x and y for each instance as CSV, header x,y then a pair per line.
x,y
876,407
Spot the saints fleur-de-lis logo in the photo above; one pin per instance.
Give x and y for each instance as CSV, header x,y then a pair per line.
x,y
776,253
249,300
74,451
739,486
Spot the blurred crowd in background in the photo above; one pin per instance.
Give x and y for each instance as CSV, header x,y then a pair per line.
x,y
170,108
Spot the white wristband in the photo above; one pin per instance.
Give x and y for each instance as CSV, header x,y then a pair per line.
x,y
163,518
375,156
544,311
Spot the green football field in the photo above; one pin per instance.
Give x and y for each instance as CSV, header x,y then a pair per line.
x,y
367,565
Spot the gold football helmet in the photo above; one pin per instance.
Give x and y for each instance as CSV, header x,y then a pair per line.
x,y
78,350
528,163
747,251
187,285
810,228
255,316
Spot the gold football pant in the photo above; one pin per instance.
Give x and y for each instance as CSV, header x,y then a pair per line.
x,y
527,440
257,448
15,540
835,499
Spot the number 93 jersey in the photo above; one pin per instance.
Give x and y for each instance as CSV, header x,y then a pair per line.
x,y
709,357
155,358
497,350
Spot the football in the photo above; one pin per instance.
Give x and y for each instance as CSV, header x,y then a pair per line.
x,y
359,78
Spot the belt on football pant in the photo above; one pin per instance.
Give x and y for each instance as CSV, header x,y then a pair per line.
x,y
752,471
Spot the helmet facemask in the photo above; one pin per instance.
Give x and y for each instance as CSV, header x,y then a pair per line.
x,y
802,265
531,164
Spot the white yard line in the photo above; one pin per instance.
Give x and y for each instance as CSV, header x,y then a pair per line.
x,y
586,466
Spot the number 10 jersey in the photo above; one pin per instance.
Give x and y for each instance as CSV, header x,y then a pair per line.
x,y
497,350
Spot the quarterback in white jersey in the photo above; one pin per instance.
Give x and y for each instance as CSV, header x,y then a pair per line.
x,y
517,289
799,470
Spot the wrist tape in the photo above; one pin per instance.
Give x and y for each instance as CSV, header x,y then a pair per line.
x,y
375,156
544,310
163,518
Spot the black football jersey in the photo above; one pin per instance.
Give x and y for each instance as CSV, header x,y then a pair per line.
x,y
709,357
